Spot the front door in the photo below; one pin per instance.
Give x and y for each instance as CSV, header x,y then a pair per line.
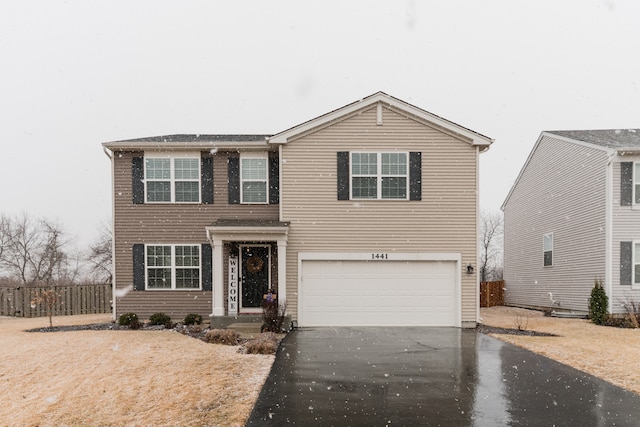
x,y
255,276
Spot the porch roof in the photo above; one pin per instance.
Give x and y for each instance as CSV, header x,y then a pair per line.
x,y
247,229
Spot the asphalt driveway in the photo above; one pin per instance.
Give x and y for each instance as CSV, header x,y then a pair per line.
x,y
431,377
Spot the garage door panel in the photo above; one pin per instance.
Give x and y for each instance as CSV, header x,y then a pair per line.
x,y
389,293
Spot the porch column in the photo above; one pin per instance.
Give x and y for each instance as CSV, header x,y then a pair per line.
x,y
218,278
282,272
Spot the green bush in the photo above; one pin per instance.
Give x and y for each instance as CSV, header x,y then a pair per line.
x,y
127,319
598,304
192,319
160,319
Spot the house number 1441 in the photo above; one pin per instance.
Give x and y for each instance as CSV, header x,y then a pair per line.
x,y
379,256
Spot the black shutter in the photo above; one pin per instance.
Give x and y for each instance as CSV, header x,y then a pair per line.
x,y
137,180
274,180
207,269
626,183
206,180
234,180
138,267
626,266
343,175
415,175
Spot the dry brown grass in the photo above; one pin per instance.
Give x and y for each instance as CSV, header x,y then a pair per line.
x,y
125,378
609,353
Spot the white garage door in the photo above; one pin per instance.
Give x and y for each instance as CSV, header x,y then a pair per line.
x,y
378,293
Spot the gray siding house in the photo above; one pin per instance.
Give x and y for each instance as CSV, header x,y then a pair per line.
x,y
366,215
573,216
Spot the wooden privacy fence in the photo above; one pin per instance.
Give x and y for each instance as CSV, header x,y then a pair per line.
x,y
491,293
71,299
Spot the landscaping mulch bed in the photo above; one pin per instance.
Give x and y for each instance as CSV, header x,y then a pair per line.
x,y
485,329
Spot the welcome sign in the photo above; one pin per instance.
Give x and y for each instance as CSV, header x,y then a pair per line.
x,y
233,285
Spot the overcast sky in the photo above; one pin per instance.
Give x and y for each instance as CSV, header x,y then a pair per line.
x,y
75,74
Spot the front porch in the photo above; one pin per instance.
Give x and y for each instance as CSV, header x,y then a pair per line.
x,y
249,260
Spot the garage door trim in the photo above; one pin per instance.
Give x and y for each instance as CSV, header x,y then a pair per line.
x,y
384,257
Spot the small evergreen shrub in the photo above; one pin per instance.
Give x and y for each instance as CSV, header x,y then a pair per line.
x,y
222,336
265,343
192,319
136,324
160,319
598,304
127,318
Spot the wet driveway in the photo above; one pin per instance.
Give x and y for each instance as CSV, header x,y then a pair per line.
x,y
431,377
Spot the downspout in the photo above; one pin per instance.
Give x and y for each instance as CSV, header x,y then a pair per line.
x,y
477,276
608,263
109,154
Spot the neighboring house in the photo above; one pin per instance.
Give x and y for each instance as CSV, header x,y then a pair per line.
x,y
573,217
366,215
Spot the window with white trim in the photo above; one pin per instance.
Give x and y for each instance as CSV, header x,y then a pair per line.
x,y
254,183
173,266
547,248
379,175
636,263
172,180
636,183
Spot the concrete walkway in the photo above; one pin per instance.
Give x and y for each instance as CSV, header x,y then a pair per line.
x,y
431,377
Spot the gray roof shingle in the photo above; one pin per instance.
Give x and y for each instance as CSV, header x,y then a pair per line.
x,y
609,138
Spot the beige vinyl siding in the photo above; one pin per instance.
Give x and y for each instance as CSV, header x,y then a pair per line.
x,y
561,191
170,224
626,227
444,221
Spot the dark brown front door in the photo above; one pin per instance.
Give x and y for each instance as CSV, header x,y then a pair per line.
x,y
255,275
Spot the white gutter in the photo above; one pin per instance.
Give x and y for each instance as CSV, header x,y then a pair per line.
x,y
109,154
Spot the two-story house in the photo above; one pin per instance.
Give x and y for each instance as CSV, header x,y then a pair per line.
x,y
573,217
366,215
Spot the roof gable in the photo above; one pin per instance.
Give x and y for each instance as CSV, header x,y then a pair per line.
x,y
380,98
608,140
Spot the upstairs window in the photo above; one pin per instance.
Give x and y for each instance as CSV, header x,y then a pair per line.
x,y
379,175
636,263
172,180
636,183
173,267
254,184
547,247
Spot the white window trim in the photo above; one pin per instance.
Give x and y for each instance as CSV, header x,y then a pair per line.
x,y
552,249
264,156
173,267
379,175
172,179
634,284
635,180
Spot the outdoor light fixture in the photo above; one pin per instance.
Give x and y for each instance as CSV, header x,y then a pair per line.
x,y
469,269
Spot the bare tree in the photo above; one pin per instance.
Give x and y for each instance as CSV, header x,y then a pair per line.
x,y
491,234
35,251
100,254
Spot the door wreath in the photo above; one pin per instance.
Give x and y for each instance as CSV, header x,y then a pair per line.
x,y
255,264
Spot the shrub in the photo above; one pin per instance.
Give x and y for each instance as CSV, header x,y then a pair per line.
x,y
192,319
136,324
222,336
272,316
265,343
633,312
598,304
160,319
127,318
